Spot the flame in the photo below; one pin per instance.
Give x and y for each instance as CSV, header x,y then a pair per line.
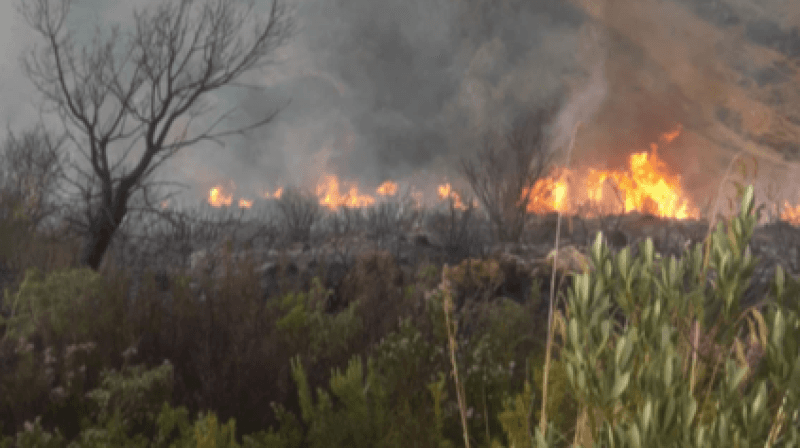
x,y
387,188
276,195
791,214
331,197
446,191
217,199
647,186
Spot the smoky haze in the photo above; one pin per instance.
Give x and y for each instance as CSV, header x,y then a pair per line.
x,y
401,89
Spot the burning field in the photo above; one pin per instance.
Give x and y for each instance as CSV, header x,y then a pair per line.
x,y
646,185
661,102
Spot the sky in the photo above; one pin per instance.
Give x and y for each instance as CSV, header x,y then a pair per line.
x,y
402,89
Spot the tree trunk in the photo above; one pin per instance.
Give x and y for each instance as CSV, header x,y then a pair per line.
x,y
102,226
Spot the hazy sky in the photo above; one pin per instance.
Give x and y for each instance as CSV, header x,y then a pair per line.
x,y
393,89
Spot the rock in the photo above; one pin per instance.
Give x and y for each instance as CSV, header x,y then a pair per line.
x,y
570,259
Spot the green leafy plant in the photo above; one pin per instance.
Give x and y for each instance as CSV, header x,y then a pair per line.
x,y
57,301
629,345
305,324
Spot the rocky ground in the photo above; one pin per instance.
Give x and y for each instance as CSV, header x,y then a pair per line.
x,y
333,258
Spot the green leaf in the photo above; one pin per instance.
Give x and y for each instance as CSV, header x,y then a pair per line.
x,y
668,373
760,401
647,415
620,384
573,333
689,411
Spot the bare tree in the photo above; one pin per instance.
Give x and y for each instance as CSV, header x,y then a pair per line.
x,y
118,95
300,210
506,170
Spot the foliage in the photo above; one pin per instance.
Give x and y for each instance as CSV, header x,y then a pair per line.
x,y
627,355
54,301
308,328
361,420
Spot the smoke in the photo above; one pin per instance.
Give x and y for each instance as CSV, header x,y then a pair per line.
x,y
402,89
399,89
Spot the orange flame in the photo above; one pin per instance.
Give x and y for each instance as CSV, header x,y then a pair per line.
x,y
791,214
331,197
245,203
217,199
647,186
276,195
446,191
387,188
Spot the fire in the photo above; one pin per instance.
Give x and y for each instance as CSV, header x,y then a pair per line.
x,y
276,195
217,199
387,188
446,191
791,214
647,186
331,197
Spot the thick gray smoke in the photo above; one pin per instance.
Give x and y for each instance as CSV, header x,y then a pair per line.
x,y
401,89
395,89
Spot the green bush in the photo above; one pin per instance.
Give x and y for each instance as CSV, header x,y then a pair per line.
x,y
59,302
305,326
630,328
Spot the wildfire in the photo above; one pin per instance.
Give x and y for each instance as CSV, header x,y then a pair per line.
x,y
646,186
387,188
446,191
217,199
791,214
276,195
331,197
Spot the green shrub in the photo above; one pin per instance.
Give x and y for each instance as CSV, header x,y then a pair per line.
x,y
305,326
362,418
630,326
59,302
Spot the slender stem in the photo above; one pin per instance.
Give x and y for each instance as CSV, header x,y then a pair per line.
x,y
452,344
548,349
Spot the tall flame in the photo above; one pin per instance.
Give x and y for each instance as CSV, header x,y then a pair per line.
x,y
647,186
217,199
331,197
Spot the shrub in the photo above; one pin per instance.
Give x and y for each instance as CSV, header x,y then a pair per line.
x,y
506,172
630,348
300,211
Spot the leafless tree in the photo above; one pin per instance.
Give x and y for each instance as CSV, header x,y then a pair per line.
x,y
119,95
300,210
506,170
